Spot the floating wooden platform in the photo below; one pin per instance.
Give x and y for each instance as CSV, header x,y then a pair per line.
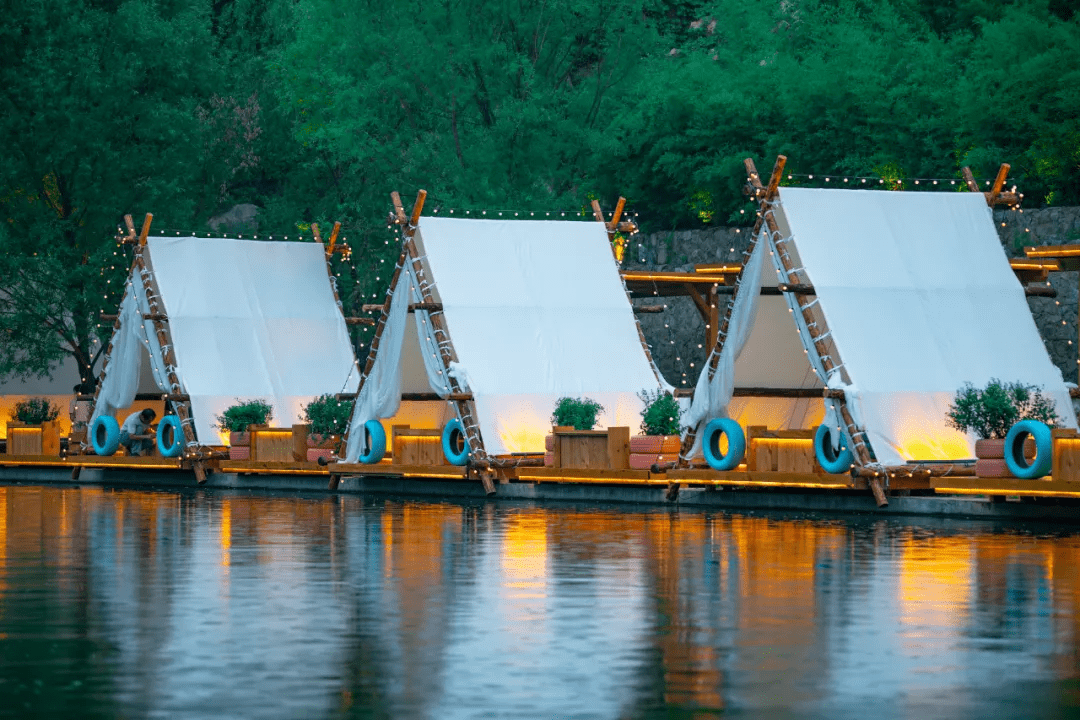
x,y
964,496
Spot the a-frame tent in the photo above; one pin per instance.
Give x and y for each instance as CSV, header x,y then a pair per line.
x,y
221,320
492,321
889,302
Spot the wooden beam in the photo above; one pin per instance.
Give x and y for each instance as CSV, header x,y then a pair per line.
x,y
316,233
131,237
145,229
418,207
613,226
413,307
699,301
360,321
649,308
597,212
1040,291
399,209
999,183
333,238
970,179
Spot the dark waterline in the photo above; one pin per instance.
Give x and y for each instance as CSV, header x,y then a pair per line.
x,y
118,603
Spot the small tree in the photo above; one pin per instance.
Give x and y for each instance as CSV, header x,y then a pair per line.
x,y
328,415
34,411
252,412
579,412
661,413
992,411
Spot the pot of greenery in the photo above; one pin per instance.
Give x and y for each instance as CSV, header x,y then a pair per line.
x,y
570,414
991,412
659,423
33,429
238,419
329,418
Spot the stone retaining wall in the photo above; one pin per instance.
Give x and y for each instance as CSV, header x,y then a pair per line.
x,y
677,336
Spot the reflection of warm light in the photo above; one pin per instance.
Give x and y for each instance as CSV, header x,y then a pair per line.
x,y
3,536
935,582
226,531
524,559
388,545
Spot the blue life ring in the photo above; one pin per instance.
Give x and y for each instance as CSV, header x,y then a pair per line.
x,y
170,424
453,435
1014,449
831,460
710,441
374,442
105,435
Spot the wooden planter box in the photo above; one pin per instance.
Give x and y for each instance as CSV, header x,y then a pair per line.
x,y
416,447
787,451
591,449
645,450
269,444
23,439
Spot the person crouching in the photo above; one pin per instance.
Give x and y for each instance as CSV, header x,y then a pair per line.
x,y
134,426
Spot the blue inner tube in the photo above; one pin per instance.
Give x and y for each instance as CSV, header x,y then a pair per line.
x,y
170,438
716,429
374,442
105,435
455,445
1014,449
832,461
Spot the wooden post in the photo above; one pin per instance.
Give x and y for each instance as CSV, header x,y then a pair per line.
x,y
145,229
970,179
999,182
333,239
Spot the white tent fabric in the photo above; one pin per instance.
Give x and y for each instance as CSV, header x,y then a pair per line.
x,y
381,394
712,396
131,344
920,299
536,310
250,320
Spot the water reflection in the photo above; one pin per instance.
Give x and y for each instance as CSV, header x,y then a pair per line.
x,y
121,603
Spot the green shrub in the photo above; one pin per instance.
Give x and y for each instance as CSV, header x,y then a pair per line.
x,y
992,411
239,416
579,412
34,411
328,415
661,414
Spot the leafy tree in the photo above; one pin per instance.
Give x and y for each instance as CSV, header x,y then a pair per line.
x,y
98,118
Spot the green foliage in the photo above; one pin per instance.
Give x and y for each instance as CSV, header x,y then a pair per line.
x,y
328,415
237,417
34,411
661,413
577,412
992,411
311,111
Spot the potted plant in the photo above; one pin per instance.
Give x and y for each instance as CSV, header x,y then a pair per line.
x,y
991,412
237,420
329,418
659,440
575,413
33,429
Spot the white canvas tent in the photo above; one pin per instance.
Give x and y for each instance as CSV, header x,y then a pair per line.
x,y
220,320
522,312
906,296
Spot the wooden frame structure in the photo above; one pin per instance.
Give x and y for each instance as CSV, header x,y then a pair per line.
x,y
199,456
484,465
797,282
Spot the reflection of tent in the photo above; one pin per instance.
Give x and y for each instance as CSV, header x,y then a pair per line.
x,y
501,318
896,300
222,320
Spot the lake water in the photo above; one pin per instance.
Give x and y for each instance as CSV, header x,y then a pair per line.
x,y
117,603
